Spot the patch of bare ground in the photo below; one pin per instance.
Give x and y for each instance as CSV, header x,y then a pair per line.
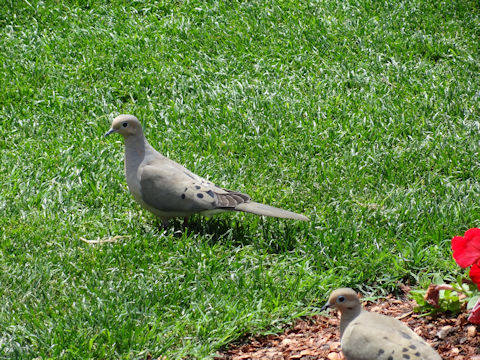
x,y
318,337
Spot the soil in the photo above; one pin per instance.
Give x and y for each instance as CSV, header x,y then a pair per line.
x,y
318,337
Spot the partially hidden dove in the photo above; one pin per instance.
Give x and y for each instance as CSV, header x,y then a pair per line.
x,y
168,190
372,336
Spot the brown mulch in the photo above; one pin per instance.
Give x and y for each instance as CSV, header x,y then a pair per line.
x,y
318,337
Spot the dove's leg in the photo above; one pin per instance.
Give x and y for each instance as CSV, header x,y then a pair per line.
x,y
164,224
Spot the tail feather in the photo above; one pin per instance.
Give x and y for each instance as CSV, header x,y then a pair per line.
x,y
266,210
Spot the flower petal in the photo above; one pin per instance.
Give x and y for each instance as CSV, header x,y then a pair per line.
x,y
475,274
472,233
466,250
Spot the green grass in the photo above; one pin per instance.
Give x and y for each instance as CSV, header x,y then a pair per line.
x,y
364,115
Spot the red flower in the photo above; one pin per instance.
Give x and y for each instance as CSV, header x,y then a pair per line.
x,y
475,274
466,252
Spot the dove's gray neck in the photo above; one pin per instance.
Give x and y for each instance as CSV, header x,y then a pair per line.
x,y
347,317
135,147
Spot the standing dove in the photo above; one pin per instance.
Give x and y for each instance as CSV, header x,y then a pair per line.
x,y
167,189
372,336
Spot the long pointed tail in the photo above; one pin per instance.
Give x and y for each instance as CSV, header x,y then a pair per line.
x,y
266,210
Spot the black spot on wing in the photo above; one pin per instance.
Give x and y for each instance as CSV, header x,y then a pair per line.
x,y
405,335
197,187
413,347
210,192
183,196
380,352
406,356
404,350
390,357
417,354
200,196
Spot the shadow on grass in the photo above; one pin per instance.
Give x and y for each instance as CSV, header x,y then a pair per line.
x,y
276,236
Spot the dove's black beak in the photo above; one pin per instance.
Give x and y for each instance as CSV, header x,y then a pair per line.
x,y
109,132
325,307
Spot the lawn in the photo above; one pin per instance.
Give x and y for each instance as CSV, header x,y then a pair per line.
x,y
363,115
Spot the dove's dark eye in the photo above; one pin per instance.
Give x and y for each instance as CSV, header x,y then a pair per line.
x,y
341,299
125,124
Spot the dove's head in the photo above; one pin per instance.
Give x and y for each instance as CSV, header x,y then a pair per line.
x,y
126,125
345,300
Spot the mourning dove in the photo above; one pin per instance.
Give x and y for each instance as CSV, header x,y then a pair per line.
x,y
168,189
372,336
